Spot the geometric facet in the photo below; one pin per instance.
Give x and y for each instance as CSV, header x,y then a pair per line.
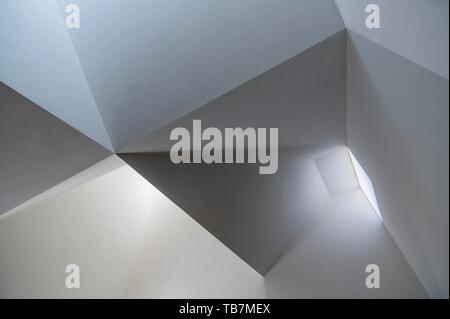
x,y
417,30
168,63
37,59
337,171
38,150
152,249
366,184
256,216
397,122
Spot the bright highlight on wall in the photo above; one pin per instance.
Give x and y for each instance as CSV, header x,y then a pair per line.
x,y
366,184
341,172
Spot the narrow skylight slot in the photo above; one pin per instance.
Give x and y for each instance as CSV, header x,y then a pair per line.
x,y
366,184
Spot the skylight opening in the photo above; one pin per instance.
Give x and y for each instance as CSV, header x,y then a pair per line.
x,y
366,184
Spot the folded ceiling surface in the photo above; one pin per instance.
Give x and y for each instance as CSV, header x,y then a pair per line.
x,y
37,150
137,69
329,255
398,119
37,59
414,29
162,59
255,215
98,225
303,97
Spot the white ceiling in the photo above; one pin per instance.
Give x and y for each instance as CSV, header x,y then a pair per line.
x,y
37,60
136,66
150,62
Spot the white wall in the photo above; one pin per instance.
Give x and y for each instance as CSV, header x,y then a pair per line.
x,y
175,57
131,241
398,129
329,257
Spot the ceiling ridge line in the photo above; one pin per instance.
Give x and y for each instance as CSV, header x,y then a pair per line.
x,y
107,134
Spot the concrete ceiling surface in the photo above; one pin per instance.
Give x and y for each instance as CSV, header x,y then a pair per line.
x,y
414,29
37,149
398,119
150,62
37,59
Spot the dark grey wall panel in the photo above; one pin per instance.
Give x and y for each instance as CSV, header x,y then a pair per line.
x,y
398,129
37,150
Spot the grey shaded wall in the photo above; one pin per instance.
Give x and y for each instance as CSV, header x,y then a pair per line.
x,y
414,29
398,129
37,150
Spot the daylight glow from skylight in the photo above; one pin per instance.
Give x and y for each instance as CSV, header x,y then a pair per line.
x,y
366,184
